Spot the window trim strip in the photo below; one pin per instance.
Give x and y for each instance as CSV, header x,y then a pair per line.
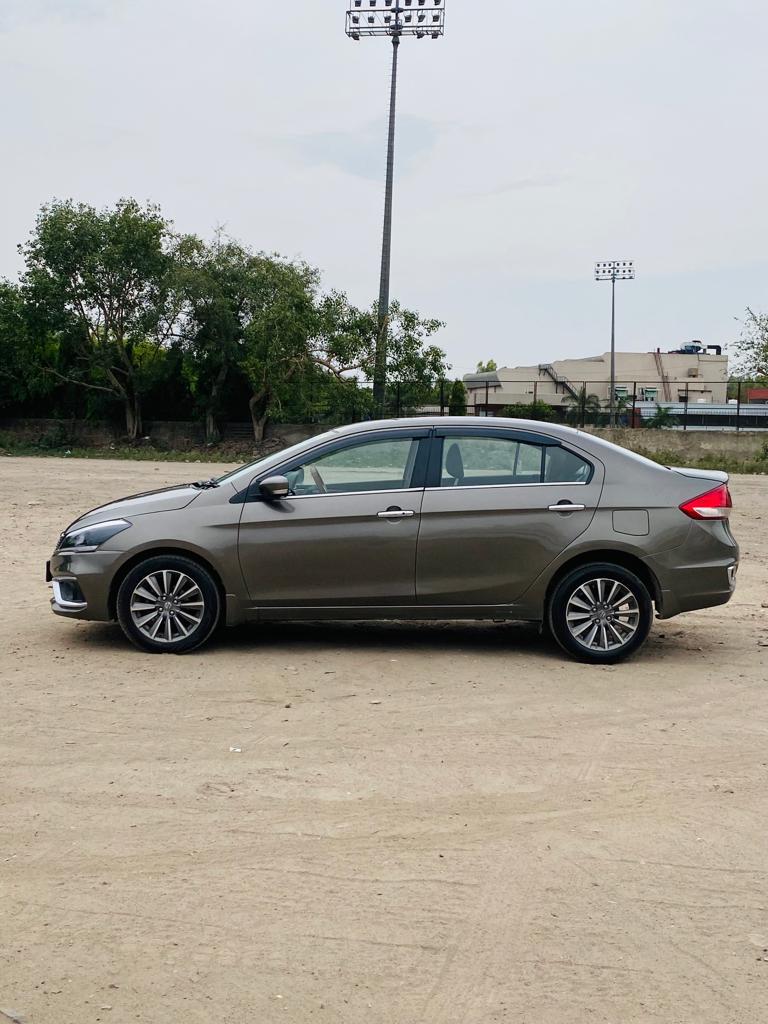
x,y
492,487
348,494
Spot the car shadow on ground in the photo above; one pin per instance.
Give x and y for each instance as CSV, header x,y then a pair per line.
x,y
319,637
400,637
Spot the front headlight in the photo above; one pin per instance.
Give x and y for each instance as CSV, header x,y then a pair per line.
x,y
88,538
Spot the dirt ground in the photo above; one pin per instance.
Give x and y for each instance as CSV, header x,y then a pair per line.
x,y
375,824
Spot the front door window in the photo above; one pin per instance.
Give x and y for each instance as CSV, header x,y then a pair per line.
x,y
385,465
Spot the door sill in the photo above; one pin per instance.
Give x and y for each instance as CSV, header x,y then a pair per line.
x,y
353,613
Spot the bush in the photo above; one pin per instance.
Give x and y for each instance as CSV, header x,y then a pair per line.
x,y
537,410
59,435
661,419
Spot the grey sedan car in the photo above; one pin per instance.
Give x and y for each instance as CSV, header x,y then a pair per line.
x,y
428,518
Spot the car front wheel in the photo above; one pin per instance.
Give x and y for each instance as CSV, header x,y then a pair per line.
x,y
600,613
168,605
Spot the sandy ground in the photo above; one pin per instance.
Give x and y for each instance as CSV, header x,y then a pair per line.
x,y
440,824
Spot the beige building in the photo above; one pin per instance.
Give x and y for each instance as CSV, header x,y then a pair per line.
x,y
693,372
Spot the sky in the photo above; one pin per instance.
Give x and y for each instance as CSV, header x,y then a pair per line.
x,y
533,140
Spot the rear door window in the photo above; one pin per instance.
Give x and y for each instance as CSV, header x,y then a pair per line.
x,y
477,461
489,462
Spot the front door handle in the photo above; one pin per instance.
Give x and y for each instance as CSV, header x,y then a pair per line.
x,y
396,513
566,506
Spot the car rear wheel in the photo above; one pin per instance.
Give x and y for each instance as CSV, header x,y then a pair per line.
x,y
600,613
168,605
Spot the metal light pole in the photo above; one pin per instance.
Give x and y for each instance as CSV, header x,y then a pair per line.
x,y
613,271
393,18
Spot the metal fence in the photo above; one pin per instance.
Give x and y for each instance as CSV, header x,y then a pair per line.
x,y
675,405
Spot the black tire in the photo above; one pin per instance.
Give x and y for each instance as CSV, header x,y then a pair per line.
x,y
636,611
177,568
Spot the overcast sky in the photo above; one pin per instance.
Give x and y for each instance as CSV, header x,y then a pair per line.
x,y
534,139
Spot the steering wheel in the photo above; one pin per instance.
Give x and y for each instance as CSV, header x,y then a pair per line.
x,y
319,484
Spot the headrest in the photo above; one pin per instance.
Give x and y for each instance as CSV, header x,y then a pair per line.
x,y
454,463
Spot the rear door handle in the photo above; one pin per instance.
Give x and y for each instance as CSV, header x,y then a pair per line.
x,y
566,506
396,513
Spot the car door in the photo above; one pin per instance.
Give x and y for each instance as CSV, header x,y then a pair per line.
x,y
346,534
498,507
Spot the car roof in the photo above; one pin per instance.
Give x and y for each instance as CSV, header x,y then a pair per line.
x,y
599,446
487,422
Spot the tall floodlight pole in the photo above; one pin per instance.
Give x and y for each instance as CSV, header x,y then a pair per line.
x,y
393,18
613,271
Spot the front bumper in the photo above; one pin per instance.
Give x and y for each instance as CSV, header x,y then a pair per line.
x,y
67,597
81,583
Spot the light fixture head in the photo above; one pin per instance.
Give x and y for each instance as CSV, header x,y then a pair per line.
x,y
615,270
394,18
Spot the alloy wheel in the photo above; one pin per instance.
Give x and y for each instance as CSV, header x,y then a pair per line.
x,y
167,606
602,614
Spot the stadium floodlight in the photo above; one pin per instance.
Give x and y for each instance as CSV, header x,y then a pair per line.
x,y
613,271
390,18
394,19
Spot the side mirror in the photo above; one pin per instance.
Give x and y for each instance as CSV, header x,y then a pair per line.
x,y
274,488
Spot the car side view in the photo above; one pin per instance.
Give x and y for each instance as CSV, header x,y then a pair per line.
x,y
427,518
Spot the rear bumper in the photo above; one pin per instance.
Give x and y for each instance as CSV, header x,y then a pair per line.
x,y
701,573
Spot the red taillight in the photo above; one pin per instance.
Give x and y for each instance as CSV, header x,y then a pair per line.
x,y
715,504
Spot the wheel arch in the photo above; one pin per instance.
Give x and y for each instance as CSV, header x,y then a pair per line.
x,y
615,556
142,556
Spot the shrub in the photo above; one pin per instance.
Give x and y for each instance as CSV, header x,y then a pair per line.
x,y
537,410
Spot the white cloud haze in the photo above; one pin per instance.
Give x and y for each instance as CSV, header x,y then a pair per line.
x,y
534,139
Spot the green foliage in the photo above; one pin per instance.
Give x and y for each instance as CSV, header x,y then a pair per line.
x,y
43,446
582,407
274,355
537,410
752,347
21,349
116,311
457,401
661,419
487,367
345,342
216,286
104,277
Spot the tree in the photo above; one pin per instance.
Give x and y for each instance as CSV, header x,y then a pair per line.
x,y
115,307
105,276
281,319
345,342
457,402
582,407
21,349
537,410
262,316
412,361
220,285
752,347
487,367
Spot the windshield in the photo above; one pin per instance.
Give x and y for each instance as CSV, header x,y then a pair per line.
x,y
244,474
